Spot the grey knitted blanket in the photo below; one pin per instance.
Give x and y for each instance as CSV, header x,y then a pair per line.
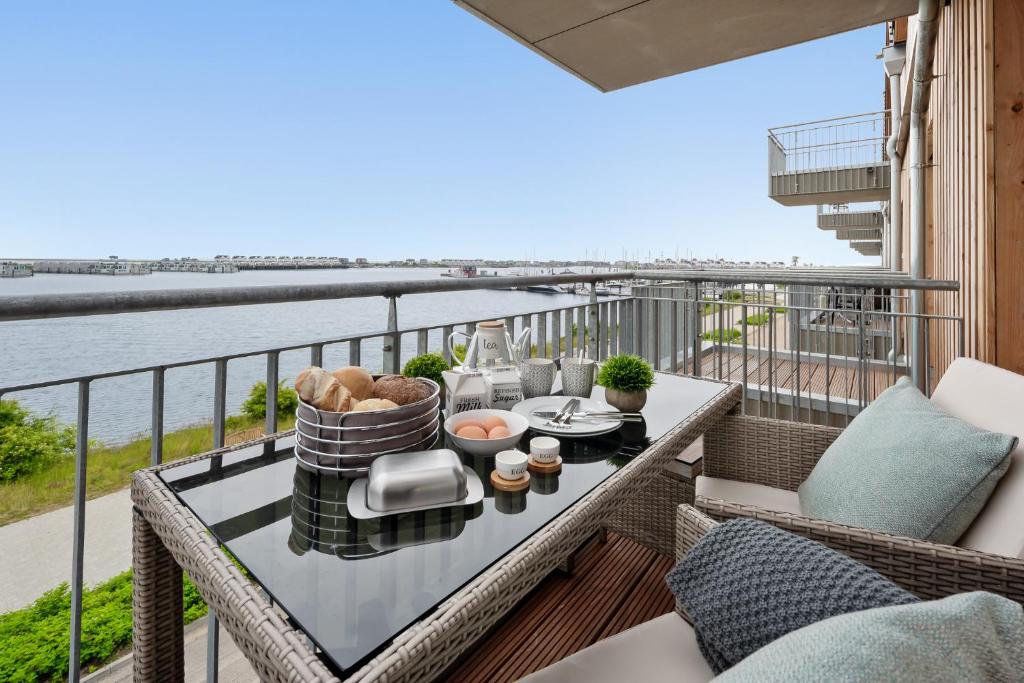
x,y
747,583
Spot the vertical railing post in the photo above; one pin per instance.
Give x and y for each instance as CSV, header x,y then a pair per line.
x,y
641,309
542,335
156,441
355,352
220,380
698,324
421,342
861,359
316,355
673,340
78,539
212,648
446,332
626,326
594,323
567,320
613,327
927,359
961,343
743,341
392,341
556,334
721,333
581,328
273,364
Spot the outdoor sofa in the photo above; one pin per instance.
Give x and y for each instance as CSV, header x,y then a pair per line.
x,y
752,467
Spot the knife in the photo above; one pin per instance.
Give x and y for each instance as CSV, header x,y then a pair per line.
x,y
625,417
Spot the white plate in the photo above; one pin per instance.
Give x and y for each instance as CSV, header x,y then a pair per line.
x,y
578,428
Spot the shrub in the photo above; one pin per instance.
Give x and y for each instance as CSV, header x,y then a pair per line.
x,y
28,444
34,640
11,413
757,319
626,373
428,365
255,407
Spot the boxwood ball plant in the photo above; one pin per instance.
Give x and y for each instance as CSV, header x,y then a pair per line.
x,y
428,365
626,373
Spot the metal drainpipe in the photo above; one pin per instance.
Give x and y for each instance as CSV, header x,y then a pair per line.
x,y
924,54
895,170
894,59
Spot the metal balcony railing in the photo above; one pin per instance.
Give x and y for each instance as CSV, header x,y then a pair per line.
x,y
859,234
830,144
804,343
847,216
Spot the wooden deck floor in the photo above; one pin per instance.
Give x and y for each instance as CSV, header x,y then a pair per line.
x,y
616,585
841,382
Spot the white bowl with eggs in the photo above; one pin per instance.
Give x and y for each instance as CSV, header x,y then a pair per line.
x,y
486,420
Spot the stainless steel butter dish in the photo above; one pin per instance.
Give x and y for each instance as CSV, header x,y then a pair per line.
x,y
410,482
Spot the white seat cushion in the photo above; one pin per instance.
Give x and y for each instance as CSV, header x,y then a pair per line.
x,y
745,493
662,650
993,399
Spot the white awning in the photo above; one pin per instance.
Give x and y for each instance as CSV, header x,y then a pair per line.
x,y
613,44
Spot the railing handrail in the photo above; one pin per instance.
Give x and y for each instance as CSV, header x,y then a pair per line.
x,y
38,306
821,278
865,116
297,346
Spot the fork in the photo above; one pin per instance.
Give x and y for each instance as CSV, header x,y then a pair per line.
x,y
558,421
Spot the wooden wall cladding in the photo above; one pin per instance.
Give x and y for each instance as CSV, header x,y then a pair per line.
x,y
1008,143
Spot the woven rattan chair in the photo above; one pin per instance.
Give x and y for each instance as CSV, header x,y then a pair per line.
x,y
752,467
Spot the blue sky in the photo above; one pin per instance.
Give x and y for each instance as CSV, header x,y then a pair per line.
x,y
406,129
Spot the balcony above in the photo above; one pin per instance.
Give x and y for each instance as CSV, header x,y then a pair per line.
x,y
841,216
613,44
836,161
859,234
867,247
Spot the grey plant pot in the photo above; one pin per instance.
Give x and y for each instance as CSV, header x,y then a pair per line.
x,y
626,401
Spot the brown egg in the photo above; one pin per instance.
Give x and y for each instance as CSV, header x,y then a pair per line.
x,y
471,432
499,432
491,422
469,422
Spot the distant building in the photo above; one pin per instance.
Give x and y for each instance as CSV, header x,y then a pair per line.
x,y
12,269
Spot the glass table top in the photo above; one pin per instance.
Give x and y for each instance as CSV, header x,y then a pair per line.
x,y
353,585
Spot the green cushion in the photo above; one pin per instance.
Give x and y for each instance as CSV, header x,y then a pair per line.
x,y
906,467
966,637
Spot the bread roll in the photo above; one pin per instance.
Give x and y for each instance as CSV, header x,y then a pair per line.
x,y
335,397
374,404
308,382
357,380
401,390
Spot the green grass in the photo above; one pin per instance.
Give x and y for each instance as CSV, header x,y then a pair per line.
x,y
109,469
34,640
759,319
731,335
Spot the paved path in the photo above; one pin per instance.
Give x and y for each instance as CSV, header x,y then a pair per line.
x,y
35,553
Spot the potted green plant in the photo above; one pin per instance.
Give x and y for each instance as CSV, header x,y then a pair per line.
x,y
626,380
428,365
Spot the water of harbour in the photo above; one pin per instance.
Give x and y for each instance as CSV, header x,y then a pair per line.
x,y
41,350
